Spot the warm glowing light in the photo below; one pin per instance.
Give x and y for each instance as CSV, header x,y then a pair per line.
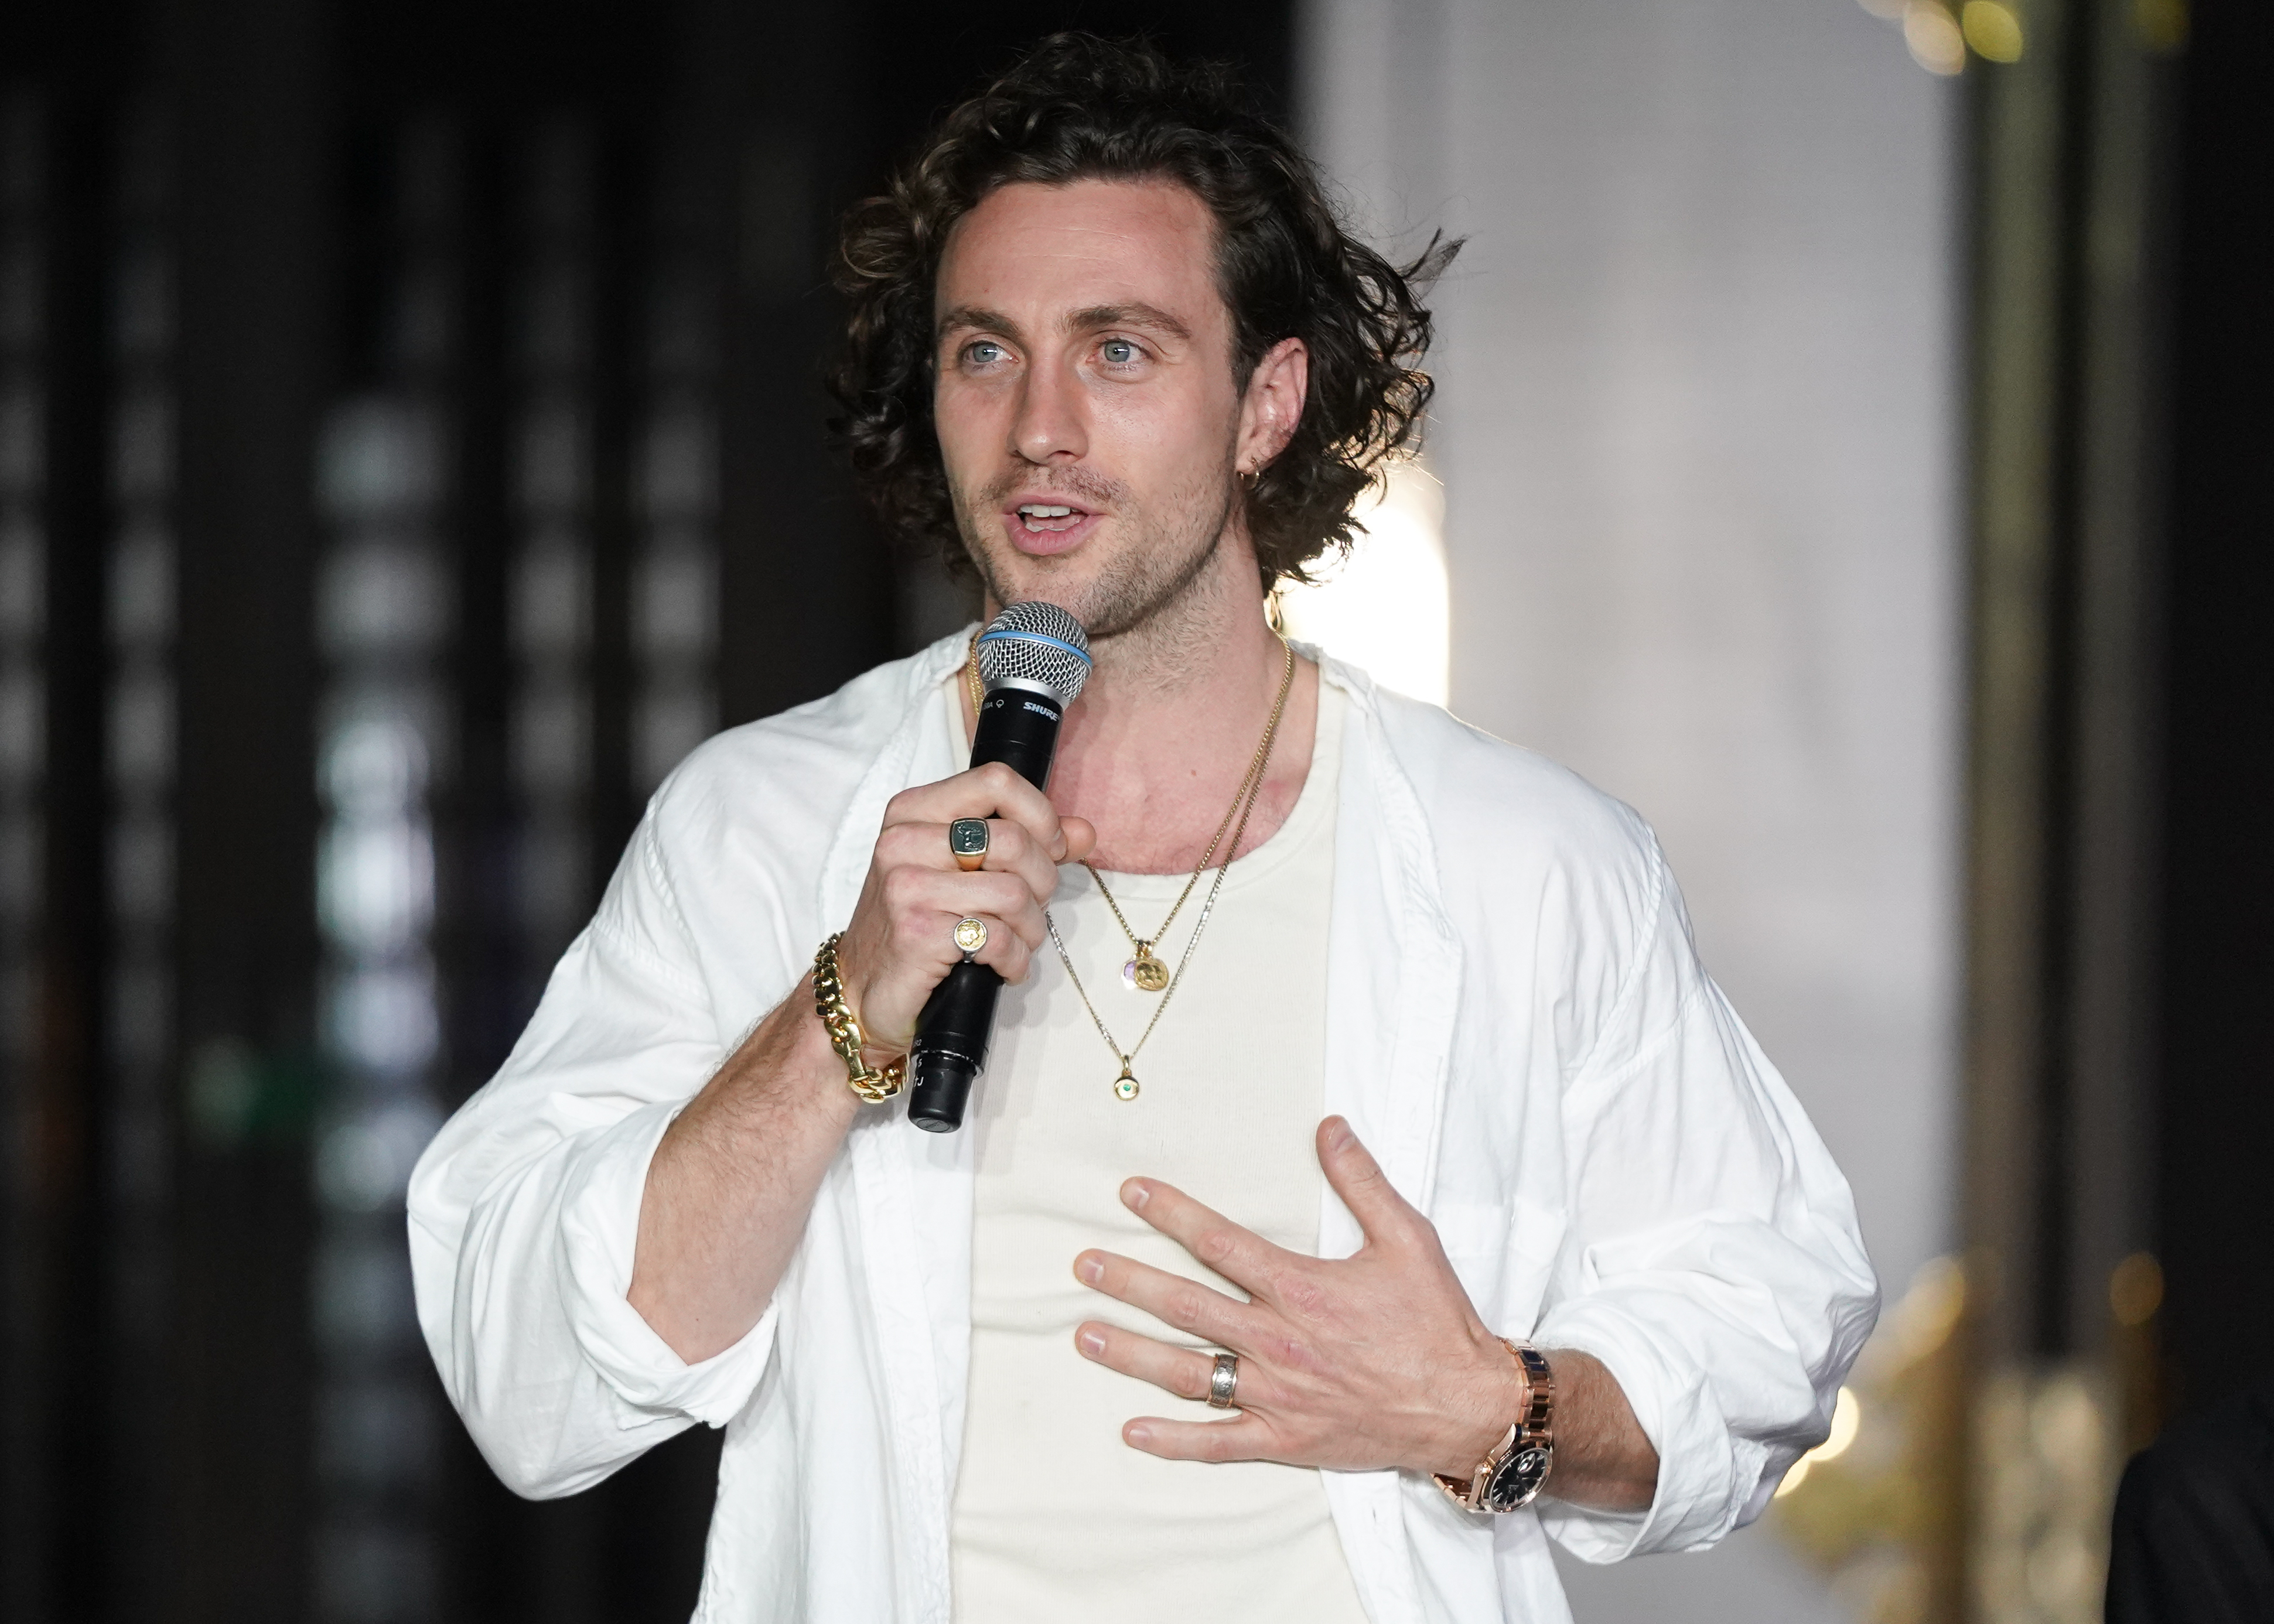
x,y
2135,1290
1992,30
1389,606
1847,1417
1847,1421
1936,42
2163,24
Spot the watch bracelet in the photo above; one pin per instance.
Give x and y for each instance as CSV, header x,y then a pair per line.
x,y
874,1085
1533,1428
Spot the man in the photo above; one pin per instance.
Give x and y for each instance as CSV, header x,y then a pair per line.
x,y
1360,1043
2192,1541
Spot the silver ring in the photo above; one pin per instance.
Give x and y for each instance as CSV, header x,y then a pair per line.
x,y
1224,1381
970,935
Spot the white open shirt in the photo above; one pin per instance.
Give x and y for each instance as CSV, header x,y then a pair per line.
x,y
1518,1027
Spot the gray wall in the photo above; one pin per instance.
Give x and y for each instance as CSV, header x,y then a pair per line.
x,y
1697,432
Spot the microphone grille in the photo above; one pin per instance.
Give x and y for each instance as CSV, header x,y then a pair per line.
x,y
1036,641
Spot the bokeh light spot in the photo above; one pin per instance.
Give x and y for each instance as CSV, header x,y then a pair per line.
x,y
1933,34
1992,30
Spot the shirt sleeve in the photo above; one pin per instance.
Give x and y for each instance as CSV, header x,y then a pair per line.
x,y
524,1211
1715,1266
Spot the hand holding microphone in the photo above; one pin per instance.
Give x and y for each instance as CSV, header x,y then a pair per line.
x,y
900,955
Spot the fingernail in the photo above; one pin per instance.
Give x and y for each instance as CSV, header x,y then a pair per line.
x,y
1091,1271
1139,1436
1091,1343
1339,1135
1136,1195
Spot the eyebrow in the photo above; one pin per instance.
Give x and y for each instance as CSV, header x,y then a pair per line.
x,y
969,316
1135,314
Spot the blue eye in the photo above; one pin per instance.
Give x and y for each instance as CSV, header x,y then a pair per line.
x,y
985,352
1119,351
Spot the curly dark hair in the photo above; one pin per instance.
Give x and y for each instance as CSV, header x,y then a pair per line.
x,y
1076,107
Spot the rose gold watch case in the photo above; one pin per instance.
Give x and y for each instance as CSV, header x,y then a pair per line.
x,y
1511,1477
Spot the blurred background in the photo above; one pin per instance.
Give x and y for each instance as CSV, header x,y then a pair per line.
x,y
410,444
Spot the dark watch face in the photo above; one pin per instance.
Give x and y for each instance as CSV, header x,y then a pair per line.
x,y
1517,1480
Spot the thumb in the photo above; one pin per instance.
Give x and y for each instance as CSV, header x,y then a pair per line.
x,y
1080,837
1357,1179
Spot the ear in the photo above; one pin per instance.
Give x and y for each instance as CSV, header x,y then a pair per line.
x,y
1274,403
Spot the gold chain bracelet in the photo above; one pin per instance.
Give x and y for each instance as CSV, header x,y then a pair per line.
x,y
874,1083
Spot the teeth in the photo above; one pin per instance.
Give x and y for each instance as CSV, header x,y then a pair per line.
x,y
1037,510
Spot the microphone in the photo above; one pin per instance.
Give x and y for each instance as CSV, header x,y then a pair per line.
x,y
1033,659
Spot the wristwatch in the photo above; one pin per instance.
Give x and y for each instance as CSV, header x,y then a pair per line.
x,y
1510,1476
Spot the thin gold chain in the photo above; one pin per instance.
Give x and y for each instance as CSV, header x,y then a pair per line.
x,y
1252,789
1254,776
1140,945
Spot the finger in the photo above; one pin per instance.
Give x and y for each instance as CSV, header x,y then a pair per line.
x,y
1248,1439
1080,837
925,903
1004,953
1008,952
1011,849
1174,1370
990,792
1182,1305
1241,1255
1357,1179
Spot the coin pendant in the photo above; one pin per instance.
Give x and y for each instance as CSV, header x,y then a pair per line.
x,y
1124,1086
1146,973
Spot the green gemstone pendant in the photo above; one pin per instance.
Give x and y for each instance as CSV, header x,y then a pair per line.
x,y
1124,1086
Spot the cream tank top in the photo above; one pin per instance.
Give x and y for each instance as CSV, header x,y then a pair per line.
x,y
1055,1517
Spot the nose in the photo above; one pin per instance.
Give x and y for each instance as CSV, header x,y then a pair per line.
x,y
1050,425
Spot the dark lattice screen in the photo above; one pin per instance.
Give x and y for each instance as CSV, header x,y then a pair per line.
x,y
410,444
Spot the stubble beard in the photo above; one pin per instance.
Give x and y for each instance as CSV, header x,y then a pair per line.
x,y
1153,595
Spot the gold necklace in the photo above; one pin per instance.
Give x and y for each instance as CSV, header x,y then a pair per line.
x,y
1124,1086
1145,972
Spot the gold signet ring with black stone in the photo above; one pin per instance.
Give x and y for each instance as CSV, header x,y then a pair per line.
x,y
970,935
966,838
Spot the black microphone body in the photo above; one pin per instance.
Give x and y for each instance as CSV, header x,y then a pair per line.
x,y
1018,725
1020,728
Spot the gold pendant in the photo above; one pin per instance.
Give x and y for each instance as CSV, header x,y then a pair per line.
x,y
1145,973
1124,1086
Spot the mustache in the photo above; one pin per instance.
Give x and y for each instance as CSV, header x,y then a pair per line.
x,y
1080,484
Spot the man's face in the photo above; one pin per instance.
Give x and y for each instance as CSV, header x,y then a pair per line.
x,y
1085,401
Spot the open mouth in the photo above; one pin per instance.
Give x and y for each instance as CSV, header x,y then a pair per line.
x,y
1043,518
1044,527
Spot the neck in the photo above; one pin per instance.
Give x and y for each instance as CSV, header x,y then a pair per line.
x,y
1158,745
